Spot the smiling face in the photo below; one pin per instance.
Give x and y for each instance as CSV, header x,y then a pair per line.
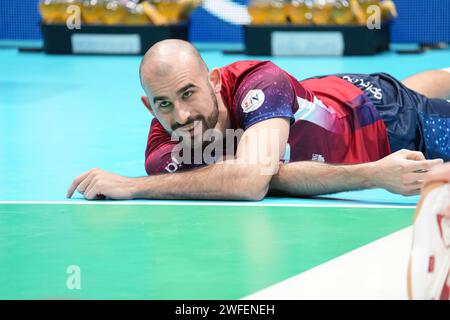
x,y
183,101
180,92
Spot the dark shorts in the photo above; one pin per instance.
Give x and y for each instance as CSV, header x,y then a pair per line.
x,y
413,121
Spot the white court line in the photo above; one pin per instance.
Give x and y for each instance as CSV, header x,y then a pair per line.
x,y
376,271
214,204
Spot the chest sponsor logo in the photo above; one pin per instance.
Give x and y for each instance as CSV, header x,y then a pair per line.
x,y
253,100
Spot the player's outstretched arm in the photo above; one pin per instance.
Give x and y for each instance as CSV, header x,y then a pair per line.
x,y
247,177
402,172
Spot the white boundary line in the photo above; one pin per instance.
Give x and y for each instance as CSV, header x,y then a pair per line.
x,y
214,204
375,271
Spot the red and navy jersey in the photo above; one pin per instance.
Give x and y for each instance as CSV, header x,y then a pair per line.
x,y
332,120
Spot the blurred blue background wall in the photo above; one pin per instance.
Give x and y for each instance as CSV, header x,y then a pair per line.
x,y
420,21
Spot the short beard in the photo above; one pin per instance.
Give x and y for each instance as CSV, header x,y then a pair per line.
x,y
213,118
208,124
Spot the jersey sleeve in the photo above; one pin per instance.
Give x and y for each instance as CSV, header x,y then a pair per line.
x,y
158,154
264,94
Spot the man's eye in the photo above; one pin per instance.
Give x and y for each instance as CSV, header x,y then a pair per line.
x,y
187,94
164,105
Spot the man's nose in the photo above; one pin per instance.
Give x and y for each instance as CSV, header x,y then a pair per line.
x,y
181,115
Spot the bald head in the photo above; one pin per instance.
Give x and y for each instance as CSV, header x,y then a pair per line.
x,y
167,57
180,91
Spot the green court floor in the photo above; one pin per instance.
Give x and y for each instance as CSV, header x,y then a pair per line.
x,y
174,252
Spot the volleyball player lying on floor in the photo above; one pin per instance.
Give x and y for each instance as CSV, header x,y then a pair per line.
x,y
317,136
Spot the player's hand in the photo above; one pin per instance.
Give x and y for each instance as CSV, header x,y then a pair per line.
x,y
403,172
439,174
97,184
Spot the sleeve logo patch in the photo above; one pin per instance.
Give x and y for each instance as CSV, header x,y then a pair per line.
x,y
253,100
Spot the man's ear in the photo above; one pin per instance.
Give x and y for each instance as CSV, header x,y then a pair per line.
x,y
215,79
147,104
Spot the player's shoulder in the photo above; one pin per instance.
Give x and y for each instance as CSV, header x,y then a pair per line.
x,y
157,131
245,63
244,66
156,125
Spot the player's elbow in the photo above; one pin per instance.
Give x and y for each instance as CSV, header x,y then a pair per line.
x,y
256,193
253,186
